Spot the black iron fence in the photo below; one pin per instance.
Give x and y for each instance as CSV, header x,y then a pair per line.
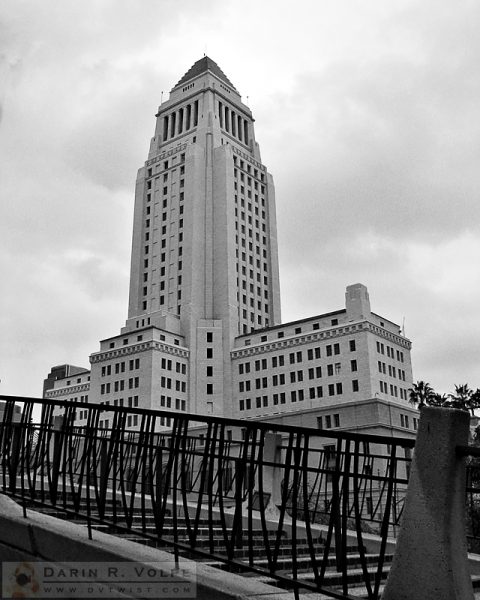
x,y
472,513
287,503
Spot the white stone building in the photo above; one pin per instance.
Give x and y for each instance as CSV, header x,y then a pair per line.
x,y
204,332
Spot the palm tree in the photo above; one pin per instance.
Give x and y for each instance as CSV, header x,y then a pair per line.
x,y
421,394
438,400
475,400
462,398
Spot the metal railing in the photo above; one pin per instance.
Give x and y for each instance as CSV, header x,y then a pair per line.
x,y
472,513
287,503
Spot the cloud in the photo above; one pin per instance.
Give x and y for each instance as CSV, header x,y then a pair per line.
x,y
366,114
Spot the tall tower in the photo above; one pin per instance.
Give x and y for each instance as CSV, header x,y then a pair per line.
x,y
204,332
204,252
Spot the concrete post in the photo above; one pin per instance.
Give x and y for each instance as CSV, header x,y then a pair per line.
x,y
272,475
430,561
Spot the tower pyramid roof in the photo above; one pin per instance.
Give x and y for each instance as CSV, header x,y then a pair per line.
x,y
202,66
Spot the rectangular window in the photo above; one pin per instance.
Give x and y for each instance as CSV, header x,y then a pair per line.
x,y
353,365
352,346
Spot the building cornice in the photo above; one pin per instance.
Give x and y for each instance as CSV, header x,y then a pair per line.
x,y
208,88
70,389
250,159
165,154
388,335
136,348
300,340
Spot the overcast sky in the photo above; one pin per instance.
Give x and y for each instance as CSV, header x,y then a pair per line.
x,y
367,115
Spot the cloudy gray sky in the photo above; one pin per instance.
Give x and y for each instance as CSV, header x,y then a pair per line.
x,y
367,115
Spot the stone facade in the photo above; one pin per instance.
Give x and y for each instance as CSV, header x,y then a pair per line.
x,y
204,332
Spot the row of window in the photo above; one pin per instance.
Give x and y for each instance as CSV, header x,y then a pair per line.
x,y
390,352
126,341
163,257
394,390
246,178
120,367
250,314
245,166
328,421
132,421
333,389
167,365
77,399
180,120
295,376
167,382
405,421
392,371
297,357
167,402
133,382
297,331
132,401
246,204
233,123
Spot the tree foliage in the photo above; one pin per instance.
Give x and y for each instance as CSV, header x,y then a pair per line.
x,y
464,398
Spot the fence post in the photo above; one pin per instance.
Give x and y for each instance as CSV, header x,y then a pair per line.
x,y
430,561
56,456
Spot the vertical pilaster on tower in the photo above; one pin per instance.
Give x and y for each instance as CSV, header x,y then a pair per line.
x,y
357,302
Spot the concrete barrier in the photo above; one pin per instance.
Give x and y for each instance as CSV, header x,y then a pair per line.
x,y
40,537
430,561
